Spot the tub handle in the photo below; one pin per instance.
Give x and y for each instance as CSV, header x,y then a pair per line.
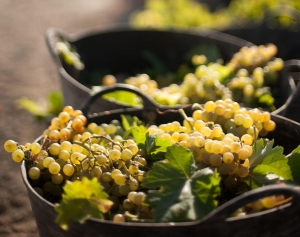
x,y
223,212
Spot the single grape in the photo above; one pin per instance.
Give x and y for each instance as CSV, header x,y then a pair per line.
x,y
34,173
119,218
120,179
54,168
18,155
126,154
114,154
68,169
10,146
57,178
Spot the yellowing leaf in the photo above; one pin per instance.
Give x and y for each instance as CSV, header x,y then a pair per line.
x,y
80,201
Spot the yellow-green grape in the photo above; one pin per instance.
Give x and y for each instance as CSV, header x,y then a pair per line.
x,y
126,154
249,148
120,179
228,157
235,147
27,146
54,149
183,137
139,198
133,184
239,119
141,160
269,126
242,171
124,189
18,155
141,175
257,205
61,162
77,137
85,136
114,154
128,205
208,146
96,172
269,202
217,147
76,148
11,146
111,129
65,134
34,173
54,168
54,135
131,196
64,154
35,148
198,125
205,131
199,141
215,160
248,122
133,169
64,117
209,106
47,161
247,139
76,157
219,110
217,131
134,148
106,177
243,153
39,164
57,178
85,164
68,169
101,159
246,163
119,218
264,117
115,172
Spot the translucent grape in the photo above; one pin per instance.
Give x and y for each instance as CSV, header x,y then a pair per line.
x,y
133,184
217,147
133,169
114,154
119,218
120,179
131,196
269,202
10,146
18,155
63,154
139,198
64,117
124,189
54,149
209,106
242,171
115,172
106,177
101,159
134,148
54,168
126,154
76,157
228,157
215,160
34,173
57,178
54,135
68,169
96,172
269,125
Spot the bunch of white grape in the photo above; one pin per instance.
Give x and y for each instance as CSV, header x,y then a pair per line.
x,y
248,78
220,135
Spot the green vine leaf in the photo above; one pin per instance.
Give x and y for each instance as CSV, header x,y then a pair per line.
x,y
77,205
184,194
265,161
156,147
294,163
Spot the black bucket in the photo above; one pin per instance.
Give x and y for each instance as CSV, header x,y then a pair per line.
x,y
276,222
119,50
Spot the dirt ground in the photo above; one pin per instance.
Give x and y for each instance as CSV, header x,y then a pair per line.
x,y
27,69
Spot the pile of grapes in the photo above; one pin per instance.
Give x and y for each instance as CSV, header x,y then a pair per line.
x,y
251,78
220,136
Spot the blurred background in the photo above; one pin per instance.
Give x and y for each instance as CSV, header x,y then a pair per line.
x,y
28,71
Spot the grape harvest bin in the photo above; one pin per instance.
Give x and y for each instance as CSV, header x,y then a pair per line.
x,y
120,50
279,221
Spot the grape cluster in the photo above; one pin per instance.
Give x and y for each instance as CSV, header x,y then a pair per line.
x,y
220,135
247,78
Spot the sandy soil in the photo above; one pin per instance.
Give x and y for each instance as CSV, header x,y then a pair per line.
x,y
27,69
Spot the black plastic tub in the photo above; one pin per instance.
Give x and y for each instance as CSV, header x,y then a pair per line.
x,y
120,50
277,222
